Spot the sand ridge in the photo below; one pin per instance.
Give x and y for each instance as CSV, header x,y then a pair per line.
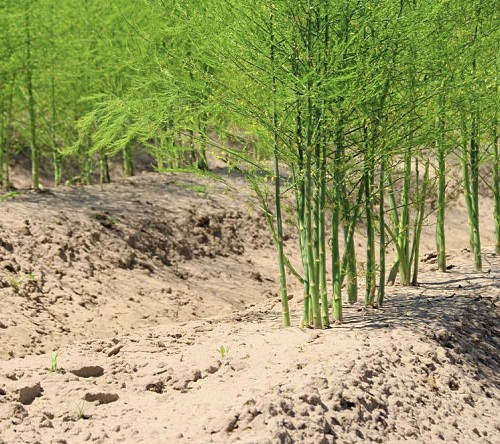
x,y
159,294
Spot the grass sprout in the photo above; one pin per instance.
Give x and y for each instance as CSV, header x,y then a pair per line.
x,y
80,411
53,362
9,195
17,281
223,351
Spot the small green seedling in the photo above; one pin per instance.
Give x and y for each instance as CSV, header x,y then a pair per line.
x,y
300,348
9,195
80,411
223,351
17,281
53,362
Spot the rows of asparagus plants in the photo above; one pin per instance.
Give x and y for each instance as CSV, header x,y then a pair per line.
x,y
63,65
364,110
363,102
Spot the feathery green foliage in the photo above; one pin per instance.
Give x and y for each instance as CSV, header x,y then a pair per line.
x,y
350,114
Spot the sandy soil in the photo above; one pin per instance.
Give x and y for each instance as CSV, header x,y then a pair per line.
x,y
159,294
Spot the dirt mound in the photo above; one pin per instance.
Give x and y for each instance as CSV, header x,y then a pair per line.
x,y
382,377
394,385
159,295
75,255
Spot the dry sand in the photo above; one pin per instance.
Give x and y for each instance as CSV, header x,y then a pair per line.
x,y
140,283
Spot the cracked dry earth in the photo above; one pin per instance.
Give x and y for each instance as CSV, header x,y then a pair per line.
x,y
138,286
